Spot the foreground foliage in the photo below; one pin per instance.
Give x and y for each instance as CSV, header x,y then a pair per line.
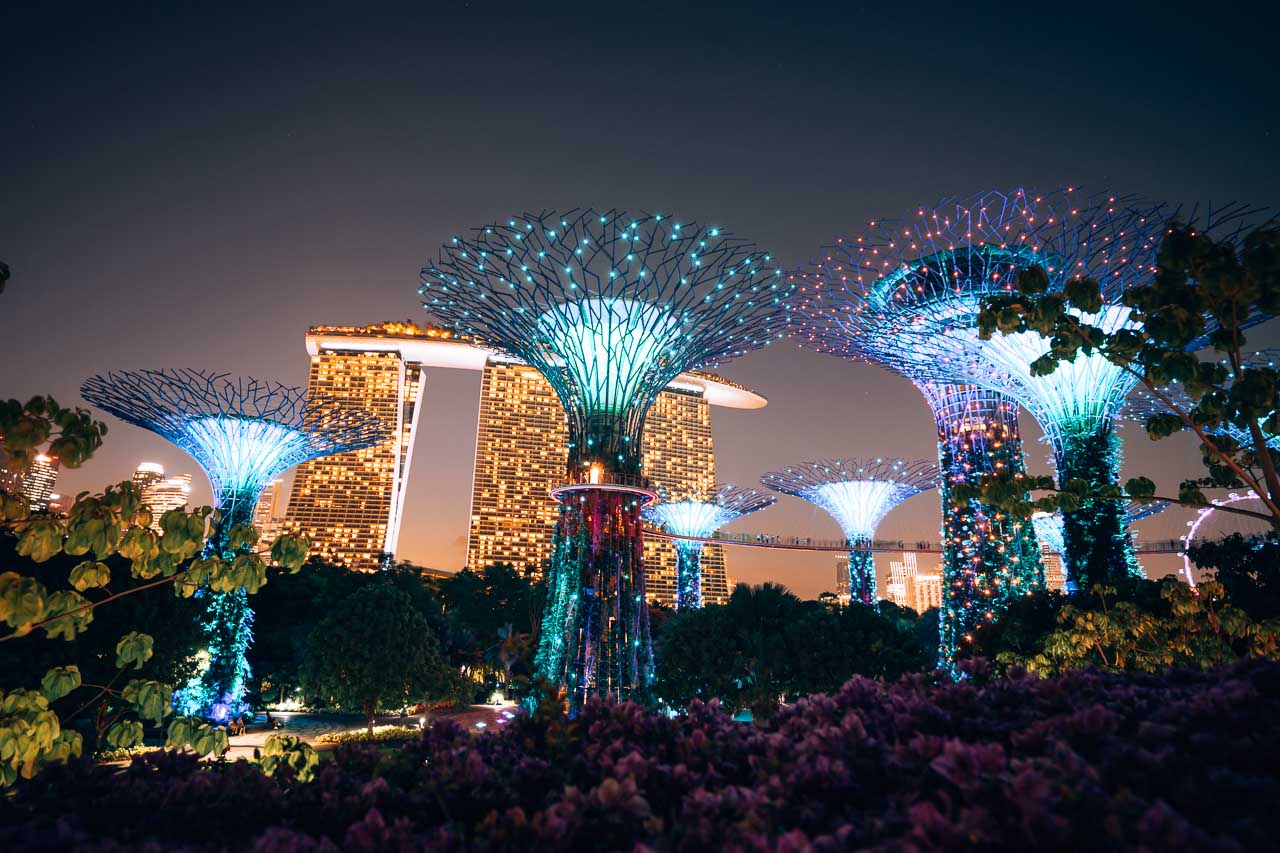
x,y
1086,760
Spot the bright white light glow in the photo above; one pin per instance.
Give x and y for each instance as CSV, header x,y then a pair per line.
x,y
241,455
1048,527
609,347
1079,397
859,505
690,518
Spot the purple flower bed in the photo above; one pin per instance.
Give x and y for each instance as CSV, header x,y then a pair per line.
x,y
1085,761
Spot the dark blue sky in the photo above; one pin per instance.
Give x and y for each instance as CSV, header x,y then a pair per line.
x,y
197,187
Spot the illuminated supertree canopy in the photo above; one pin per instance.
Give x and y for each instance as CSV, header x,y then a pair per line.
x,y
243,433
1144,404
917,277
609,308
858,494
698,520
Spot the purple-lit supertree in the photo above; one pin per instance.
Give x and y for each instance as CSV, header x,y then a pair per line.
x,y
895,275
927,263
857,493
697,520
243,433
609,308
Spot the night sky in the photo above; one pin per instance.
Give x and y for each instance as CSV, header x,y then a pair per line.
x,y
196,188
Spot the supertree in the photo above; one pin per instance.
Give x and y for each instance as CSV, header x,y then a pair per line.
x,y
931,262
1050,528
856,308
697,520
609,308
243,433
857,493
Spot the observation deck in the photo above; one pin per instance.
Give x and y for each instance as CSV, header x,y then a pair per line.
x,y
433,347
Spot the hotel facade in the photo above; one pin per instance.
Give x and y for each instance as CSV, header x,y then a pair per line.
x,y
351,505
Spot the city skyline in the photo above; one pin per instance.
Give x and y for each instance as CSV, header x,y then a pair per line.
x,y
318,200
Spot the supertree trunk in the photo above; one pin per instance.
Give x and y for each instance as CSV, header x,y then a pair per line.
x,y
217,692
988,558
688,575
596,625
1099,548
862,572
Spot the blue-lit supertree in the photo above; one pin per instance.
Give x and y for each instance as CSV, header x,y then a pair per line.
x,y
923,260
243,433
609,308
698,520
857,493
856,300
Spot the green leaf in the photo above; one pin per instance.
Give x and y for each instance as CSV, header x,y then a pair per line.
x,y
60,681
65,602
124,735
90,575
22,601
290,551
133,648
149,699
41,540
200,736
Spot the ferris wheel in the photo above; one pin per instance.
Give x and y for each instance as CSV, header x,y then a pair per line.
x,y
1207,525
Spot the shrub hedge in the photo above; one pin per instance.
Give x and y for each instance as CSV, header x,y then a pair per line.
x,y
1086,760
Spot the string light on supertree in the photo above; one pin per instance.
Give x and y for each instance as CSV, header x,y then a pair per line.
x,y
698,520
609,308
1107,238
858,494
243,433
855,302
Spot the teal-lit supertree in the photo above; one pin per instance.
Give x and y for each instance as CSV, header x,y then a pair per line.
x,y
921,260
1050,529
696,520
933,264
243,433
858,494
609,308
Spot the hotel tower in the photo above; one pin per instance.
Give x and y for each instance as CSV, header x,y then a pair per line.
x,y
350,505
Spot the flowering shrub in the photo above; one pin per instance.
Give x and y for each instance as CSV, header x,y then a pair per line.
x,y
1084,760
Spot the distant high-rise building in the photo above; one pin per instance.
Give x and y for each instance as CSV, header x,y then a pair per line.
x,y
160,496
842,579
907,587
928,592
521,452
58,505
349,505
267,517
146,474
902,580
1055,576
37,482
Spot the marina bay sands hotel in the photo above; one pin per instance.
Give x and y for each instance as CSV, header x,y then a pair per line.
x,y
351,505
